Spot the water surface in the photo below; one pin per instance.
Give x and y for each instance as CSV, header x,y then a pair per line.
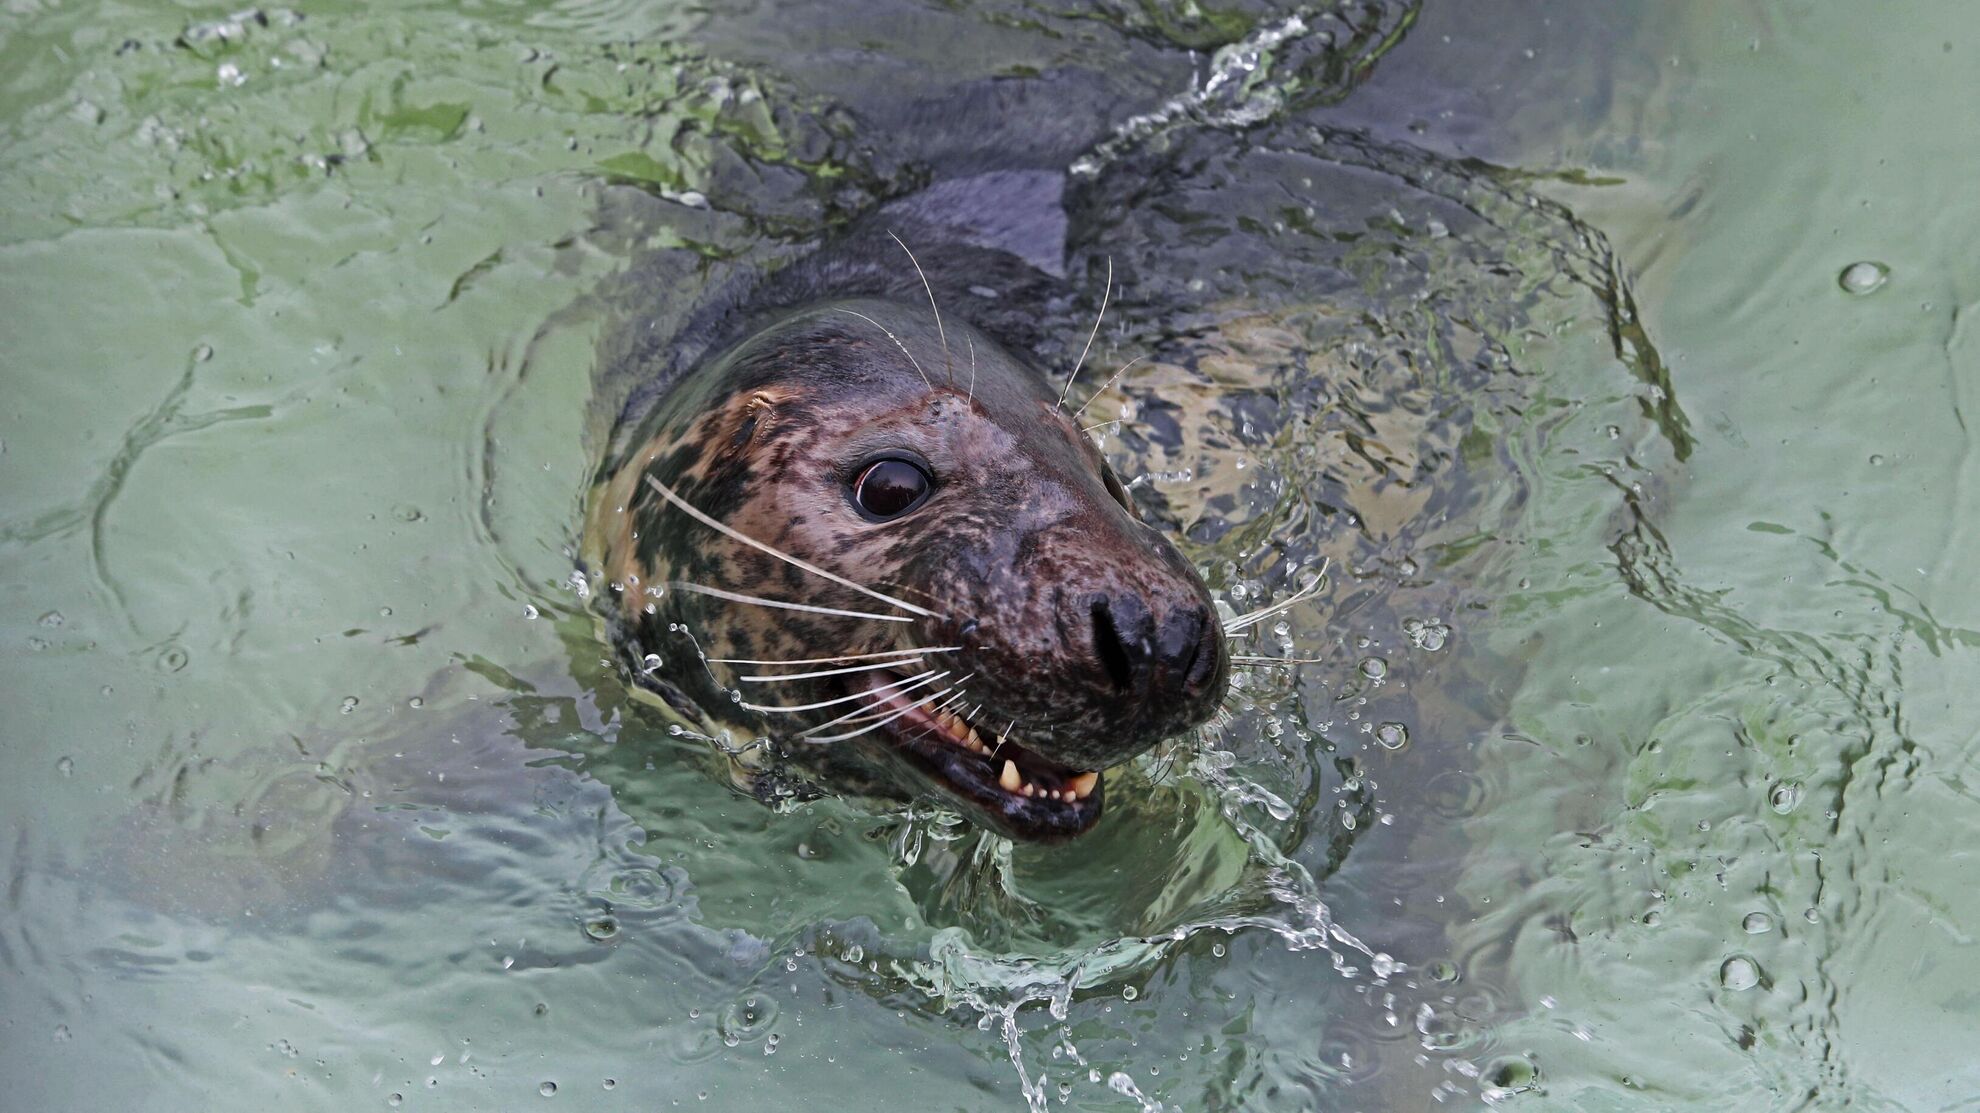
x,y
1618,365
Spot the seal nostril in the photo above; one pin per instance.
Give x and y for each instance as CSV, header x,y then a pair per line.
x,y
1108,646
1202,665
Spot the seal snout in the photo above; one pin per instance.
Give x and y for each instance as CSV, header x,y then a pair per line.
x,y
1151,662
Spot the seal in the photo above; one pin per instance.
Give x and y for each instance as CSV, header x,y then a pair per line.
x,y
875,533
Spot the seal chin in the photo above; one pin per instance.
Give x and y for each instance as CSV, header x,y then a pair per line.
x,y
1004,785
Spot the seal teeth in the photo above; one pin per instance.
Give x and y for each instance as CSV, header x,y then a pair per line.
x,y
1082,785
1010,781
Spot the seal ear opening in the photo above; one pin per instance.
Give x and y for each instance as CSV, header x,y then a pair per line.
x,y
760,407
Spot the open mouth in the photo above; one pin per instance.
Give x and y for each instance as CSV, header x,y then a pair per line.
x,y
1019,791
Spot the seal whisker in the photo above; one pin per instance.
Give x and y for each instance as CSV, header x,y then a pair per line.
x,y
896,340
1245,621
728,531
789,708
947,364
1001,739
883,722
972,367
832,660
1251,659
829,672
962,695
1103,387
878,697
1105,295
780,604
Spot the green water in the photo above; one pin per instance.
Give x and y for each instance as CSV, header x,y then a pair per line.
x,y
1635,771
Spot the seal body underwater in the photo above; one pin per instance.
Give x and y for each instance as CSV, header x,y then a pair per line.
x,y
849,512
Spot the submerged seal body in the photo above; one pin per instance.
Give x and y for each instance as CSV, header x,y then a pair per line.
x,y
878,537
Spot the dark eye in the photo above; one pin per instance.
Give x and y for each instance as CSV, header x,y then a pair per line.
x,y
890,488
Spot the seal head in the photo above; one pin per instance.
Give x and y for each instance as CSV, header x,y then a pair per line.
x,y
882,542
979,610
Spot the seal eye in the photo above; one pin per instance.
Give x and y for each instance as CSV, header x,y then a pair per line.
x,y
890,488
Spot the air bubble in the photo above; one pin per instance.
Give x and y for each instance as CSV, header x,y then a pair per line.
x,y
548,1089
65,766
1866,277
1739,973
1757,923
602,929
1784,797
349,705
1374,668
530,611
1392,736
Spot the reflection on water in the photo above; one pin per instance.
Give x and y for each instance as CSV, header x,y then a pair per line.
x,y
1624,769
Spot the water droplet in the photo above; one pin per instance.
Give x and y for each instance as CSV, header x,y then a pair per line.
x,y
650,663
1863,278
349,705
1739,973
548,1089
529,610
396,1100
1510,1075
611,1083
746,1020
1652,918
1757,923
415,703
1374,668
602,929
1219,950
1784,797
1129,993
65,766
1392,736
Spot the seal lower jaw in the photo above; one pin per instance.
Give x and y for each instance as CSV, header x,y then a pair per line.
x,y
1011,788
